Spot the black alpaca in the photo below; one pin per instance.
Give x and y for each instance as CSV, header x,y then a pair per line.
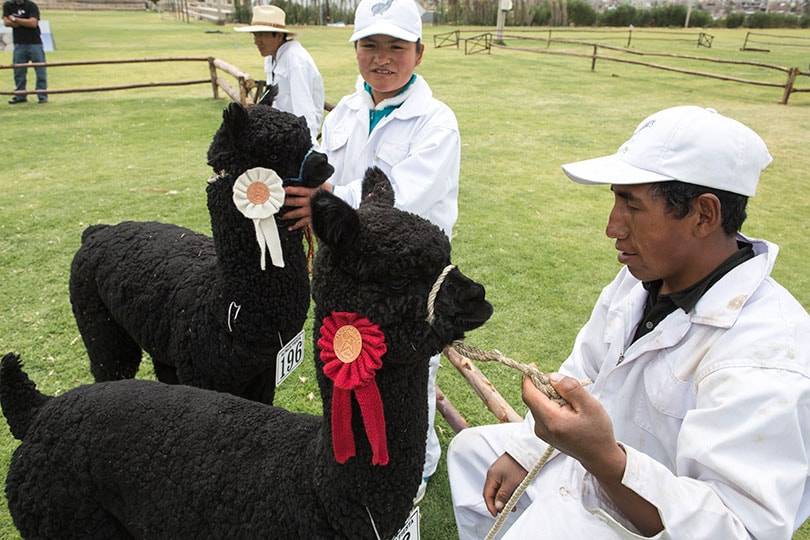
x,y
140,459
203,308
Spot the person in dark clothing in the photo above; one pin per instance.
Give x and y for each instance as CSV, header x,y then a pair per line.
x,y
23,17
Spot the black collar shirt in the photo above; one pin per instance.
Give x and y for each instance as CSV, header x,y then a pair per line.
x,y
658,306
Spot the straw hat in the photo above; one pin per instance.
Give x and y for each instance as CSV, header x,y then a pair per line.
x,y
266,19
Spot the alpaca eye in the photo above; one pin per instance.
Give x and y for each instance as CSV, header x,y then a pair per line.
x,y
273,158
397,284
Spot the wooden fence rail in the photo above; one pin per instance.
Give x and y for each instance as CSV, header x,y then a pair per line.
x,y
788,86
700,39
805,44
244,93
446,39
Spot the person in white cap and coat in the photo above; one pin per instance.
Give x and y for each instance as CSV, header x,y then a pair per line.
x,y
696,424
288,66
392,121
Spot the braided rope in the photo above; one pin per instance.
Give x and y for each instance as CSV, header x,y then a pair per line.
x,y
540,379
431,300
310,247
542,382
524,484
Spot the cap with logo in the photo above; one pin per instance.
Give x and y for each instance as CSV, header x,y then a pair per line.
x,y
689,144
395,18
267,19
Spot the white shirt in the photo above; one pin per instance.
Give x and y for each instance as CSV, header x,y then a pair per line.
x,y
713,408
417,146
300,86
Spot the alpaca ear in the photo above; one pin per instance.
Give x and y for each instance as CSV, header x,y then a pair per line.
x,y
235,120
377,188
270,94
335,223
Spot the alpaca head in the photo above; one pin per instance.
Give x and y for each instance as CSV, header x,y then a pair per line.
x,y
260,136
255,153
381,262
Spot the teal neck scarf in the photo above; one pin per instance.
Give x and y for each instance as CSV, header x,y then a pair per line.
x,y
375,115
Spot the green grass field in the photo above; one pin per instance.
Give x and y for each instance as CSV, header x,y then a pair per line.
x,y
532,237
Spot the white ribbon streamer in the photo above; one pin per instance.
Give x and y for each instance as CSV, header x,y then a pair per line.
x,y
258,194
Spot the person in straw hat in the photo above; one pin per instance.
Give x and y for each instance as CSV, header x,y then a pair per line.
x,y
696,424
289,66
392,121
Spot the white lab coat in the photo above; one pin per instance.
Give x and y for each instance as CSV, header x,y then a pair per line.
x,y
712,407
300,86
417,146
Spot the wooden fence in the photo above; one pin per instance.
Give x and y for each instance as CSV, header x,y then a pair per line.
x,y
753,39
481,41
700,39
245,90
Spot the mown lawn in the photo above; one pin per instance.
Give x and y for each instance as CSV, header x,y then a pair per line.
x,y
532,237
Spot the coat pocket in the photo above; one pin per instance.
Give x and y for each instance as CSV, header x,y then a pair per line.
x,y
662,406
392,153
337,140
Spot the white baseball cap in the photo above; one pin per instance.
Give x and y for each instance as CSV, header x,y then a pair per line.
x,y
395,18
690,144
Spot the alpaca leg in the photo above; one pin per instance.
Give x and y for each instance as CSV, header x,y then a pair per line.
x,y
165,373
261,388
114,355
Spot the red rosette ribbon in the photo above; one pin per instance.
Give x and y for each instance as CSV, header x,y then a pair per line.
x,y
351,350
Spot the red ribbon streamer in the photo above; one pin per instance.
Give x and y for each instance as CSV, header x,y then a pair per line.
x,y
357,376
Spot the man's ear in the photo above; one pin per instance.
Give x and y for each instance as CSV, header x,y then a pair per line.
x,y
335,223
420,49
708,214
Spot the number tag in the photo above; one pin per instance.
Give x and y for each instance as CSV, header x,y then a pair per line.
x,y
289,357
411,529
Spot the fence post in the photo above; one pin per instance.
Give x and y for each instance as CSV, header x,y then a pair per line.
x,y
458,34
745,43
593,58
629,37
791,79
213,70
548,41
242,92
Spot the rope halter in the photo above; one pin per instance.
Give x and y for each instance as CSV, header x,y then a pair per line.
x,y
434,291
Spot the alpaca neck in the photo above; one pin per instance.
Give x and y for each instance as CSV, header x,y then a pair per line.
x,y
404,395
242,281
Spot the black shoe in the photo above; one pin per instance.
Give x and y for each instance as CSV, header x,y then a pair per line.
x,y
14,101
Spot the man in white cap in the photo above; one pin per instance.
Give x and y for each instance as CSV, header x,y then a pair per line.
x,y
697,422
392,121
289,66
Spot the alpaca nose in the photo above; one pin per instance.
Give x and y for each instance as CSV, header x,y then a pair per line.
x,y
316,169
469,307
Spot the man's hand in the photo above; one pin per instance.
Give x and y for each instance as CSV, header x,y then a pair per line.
x,y
503,477
298,197
582,428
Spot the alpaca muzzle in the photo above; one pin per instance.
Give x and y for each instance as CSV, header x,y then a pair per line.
x,y
459,299
314,170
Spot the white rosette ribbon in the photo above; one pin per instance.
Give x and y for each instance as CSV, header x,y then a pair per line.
x,y
258,194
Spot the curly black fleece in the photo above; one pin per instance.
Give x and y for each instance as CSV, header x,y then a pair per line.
x,y
201,307
140,459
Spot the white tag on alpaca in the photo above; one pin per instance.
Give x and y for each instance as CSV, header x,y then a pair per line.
x,y
411,529
289,357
